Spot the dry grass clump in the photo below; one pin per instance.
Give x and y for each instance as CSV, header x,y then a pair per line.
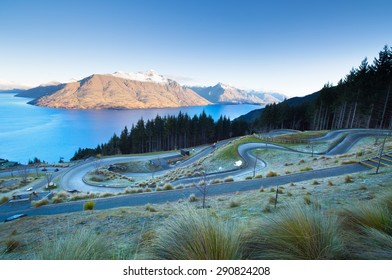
x,y
4,199
296,233
234,204
11,245
168,187
40,203
368,229
150,208
306,169
215,181
271,174
89,205
197,235
79,245
348,179
192,198
228,179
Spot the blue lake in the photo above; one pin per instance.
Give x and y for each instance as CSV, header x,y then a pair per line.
x,y
28,131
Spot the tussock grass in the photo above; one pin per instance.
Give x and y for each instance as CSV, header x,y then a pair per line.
x,y
197,235
11,245
370,244
89,205
348,179
272,174
40,203
79,245
371,215
234,204
4,199
192,198
296,233
228,179
168,187
150,208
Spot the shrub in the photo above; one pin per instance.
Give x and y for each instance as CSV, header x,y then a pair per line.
x,y
272,200
271,174
289,194
179,187
148,190
267,209
193,198
168,187
262,189
280,191
89,205
362,188
272,190
234,204
248,178
330,183
215,181
348,179
228,179
4,199
306,169
158,189
79,245
315,182
296,233
11,245
96,179
307,200
258,176
197,235
150,208
40,203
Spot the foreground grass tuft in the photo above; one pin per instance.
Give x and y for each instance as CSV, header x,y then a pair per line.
x,y
296,233
80,245
197,235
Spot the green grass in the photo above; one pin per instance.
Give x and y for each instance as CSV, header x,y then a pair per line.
x,y
79,245
89,205
197,235
296,233
230,151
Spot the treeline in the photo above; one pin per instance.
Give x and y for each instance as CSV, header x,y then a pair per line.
x,y
361,100
167,133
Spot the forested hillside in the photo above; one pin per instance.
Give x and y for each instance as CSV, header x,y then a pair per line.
x,y
362,99
168,133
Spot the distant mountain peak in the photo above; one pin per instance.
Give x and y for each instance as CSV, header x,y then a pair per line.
x,y
146,76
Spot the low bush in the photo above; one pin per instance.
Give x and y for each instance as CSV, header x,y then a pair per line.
x,y
271,174
228,179
150,208
11,245
4,199
40,203
306,169
348,179
215,181
234,204
192,198
168,187
89,205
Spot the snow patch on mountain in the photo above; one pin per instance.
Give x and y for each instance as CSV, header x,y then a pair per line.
x,y
147,76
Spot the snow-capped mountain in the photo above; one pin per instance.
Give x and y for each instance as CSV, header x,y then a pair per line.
x,y
116,91
8,85
148,76
221,93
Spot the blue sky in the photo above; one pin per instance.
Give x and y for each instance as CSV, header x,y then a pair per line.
x,y
292,47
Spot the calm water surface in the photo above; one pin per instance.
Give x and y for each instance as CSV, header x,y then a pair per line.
x,y
28,131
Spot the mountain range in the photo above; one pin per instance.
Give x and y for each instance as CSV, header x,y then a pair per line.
x,y
122,90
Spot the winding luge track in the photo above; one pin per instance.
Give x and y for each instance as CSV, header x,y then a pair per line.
x,y
73,177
